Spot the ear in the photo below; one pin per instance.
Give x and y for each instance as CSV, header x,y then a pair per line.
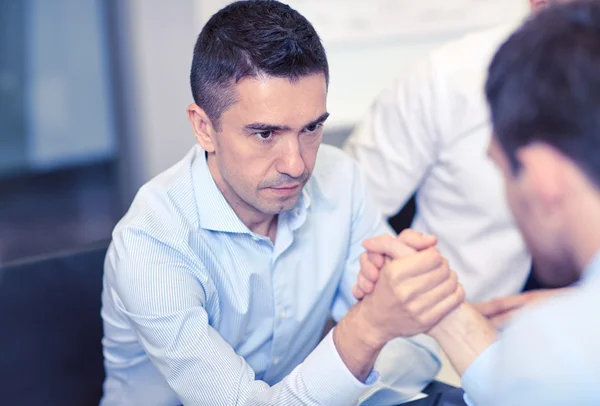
x,y
202,126
545,171
536,5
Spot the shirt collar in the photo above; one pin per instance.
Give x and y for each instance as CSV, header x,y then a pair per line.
x,y
215,213
592,271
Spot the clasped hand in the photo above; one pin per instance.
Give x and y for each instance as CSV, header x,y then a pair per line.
x,y
405,285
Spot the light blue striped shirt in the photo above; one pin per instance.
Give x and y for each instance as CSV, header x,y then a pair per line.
x,y
549,356
199,310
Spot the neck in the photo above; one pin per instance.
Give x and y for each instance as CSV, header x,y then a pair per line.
x,y
256,221
584,232
266,227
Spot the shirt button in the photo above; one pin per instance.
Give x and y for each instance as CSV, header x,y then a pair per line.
x,y
276,361
283,314
297,212
255,238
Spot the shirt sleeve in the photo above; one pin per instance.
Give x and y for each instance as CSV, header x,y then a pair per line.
x,y
198,364
538,360
396,143
405,366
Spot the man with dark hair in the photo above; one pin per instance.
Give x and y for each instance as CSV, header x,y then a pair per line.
x,y
543,89
220,278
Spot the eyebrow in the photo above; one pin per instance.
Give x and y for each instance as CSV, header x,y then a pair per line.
x,y
280,128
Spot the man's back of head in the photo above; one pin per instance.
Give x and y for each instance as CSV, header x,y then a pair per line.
x,y
544,92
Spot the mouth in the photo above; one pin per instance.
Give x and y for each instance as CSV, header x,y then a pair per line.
x,y
285,190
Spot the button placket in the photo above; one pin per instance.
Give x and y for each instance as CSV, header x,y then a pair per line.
x,y
281,313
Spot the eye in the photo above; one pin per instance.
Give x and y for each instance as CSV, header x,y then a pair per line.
x,y
264,135
313,128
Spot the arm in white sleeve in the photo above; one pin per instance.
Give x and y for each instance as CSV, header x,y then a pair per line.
x,y
396,143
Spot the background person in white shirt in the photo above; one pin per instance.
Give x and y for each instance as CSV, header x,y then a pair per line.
x,y
543,90
428,133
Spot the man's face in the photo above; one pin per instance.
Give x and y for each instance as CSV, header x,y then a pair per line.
x,y
532,197
267,145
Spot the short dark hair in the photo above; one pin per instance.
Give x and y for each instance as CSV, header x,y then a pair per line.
x,y
247,39
543,85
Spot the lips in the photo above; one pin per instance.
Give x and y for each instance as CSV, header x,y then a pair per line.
x,y
285,189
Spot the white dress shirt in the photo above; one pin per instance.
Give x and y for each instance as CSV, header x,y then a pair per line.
x,y
549,355
199,310
429,133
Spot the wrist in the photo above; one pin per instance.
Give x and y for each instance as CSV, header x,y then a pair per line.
x,y
463,321
463,335
357,325
356,345
362,321
448,324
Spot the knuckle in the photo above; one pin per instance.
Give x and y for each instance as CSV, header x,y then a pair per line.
x,y
445,269
409,297
449,288
401,296
388,272
452,279
372,257
460,293
435,256
365,285
446,265
425,320
405,232
371,273
363,261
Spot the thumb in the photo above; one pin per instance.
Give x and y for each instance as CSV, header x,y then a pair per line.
x,y
416,240
388,245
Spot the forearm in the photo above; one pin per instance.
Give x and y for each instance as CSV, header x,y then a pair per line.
x,y
463,335
357,344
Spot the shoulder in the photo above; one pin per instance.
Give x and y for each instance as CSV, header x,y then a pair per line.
x,y
459,66
151,249
447,83
554,339
547,355
164,204
470,53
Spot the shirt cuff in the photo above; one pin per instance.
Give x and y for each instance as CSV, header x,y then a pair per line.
x,y
328,379
476,381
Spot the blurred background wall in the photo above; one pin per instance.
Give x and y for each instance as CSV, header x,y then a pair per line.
x,y
93,96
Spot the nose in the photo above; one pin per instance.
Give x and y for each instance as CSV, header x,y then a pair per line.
x,y
291,162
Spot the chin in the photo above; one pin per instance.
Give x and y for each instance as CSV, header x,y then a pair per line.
x,y
555,272
278,207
